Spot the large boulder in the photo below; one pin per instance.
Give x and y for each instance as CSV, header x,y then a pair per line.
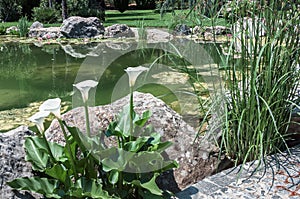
x,y
36,24
45,33
119,30
13,163
165,121
80,27
37,30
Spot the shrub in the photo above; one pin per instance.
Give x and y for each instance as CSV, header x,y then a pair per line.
x,y
85,9
46,15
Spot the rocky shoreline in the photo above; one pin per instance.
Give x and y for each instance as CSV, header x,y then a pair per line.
x,y
193,167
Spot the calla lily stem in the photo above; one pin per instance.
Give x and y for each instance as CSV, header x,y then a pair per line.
x,y
48,147
68,147
131,113
87,119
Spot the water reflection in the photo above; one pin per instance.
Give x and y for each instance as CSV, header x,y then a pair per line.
x,y
32,73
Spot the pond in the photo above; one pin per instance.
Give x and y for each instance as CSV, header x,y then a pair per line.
x,y
33,72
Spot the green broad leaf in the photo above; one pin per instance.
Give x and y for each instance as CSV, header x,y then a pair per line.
x,y
146,161
44,186
88,188
144,118
159,148
113,176
134,146
36,153
58,152
116,159
146,194
169,165
150,185
111,130
58,171
123,125
77,135
156,138
109,133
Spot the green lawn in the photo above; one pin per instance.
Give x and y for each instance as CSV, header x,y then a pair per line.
x,y
149,18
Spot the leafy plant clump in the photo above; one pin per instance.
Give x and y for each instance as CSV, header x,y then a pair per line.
x,y
23,26
261,80
85,167
46,15
2,30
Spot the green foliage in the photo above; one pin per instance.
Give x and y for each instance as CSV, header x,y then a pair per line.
x,y
2,30
84,167
238,9
46,15
261,82
85,8
23,26
10,10
145,4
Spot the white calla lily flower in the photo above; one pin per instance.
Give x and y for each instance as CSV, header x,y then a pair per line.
x,y
133,73
38,119
84,88
52,105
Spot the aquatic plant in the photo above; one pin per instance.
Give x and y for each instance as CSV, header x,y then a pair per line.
x,y
260,69
84,167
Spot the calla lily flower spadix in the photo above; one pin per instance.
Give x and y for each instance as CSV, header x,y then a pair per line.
x,y
52,105
133,73
38,119
84,88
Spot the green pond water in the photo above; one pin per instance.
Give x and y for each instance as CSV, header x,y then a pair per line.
x,y
33,73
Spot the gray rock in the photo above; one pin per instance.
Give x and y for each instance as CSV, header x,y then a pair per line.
x,y
36,24
216,30
182,29
119,30
158,35
80,27
13,164
45,33
164,121
12,28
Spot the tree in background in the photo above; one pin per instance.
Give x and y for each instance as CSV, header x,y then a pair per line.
x,y
27,6
145,4
10,10
121,5
50,11
64,9
87,8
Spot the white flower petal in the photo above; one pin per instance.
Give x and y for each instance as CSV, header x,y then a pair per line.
x,y
38,119
84,88
133,73
52,105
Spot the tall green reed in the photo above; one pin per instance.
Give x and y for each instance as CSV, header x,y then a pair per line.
x,y
23,26
262,81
